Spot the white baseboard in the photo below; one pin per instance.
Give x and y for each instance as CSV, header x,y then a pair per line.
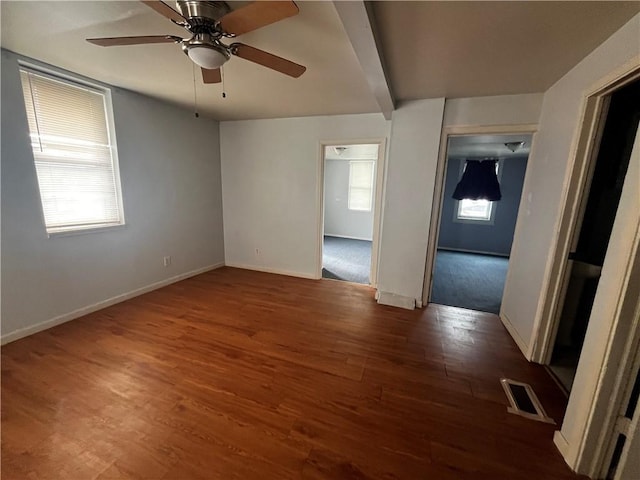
x,y
276,271
515,335
347,236
560,442
479,252
569,454
38,327
394,300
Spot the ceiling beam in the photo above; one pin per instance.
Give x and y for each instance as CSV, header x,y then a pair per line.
x,y
358,24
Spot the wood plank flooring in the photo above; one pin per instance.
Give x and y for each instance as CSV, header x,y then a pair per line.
x,y
244,375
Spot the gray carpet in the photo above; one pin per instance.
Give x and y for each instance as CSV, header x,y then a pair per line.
x,y
469,280
346,259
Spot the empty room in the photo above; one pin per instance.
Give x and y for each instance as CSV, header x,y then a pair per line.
x,y
350,211
478,218
222,227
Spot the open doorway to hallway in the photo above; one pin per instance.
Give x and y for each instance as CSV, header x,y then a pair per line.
x,y
484,175
592,232
350,173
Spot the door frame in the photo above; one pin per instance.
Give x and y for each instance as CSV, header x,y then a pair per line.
x,y
378,195
438,191
585,436
584,150
611,343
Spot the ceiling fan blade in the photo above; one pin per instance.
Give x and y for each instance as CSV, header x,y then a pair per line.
x,y
211,76
164,9
267,59
117,41
256,15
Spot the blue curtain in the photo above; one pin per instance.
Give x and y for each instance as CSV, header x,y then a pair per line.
x,y
479,182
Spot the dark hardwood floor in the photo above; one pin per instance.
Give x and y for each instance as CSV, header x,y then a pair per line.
x,y
243,375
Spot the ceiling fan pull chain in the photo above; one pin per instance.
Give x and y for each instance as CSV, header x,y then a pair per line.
x,y
195,96
224,95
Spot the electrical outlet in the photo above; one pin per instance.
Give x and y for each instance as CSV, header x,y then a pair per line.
x,y
166,261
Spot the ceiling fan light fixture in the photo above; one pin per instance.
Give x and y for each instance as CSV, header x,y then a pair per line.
x,y
514,146
339,150
207,56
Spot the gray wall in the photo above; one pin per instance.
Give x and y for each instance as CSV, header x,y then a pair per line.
x,y
170,171
492,238
338,219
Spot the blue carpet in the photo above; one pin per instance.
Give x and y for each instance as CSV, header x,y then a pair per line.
x,y
346,259
469,280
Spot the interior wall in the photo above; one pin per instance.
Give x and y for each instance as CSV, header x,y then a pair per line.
x,y
271,188
170,172
270,176
496,110
547,180
339,221
269,168
477,115
413,157
495,237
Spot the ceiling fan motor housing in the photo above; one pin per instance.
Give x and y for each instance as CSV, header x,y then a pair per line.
x,y
202,13
204,48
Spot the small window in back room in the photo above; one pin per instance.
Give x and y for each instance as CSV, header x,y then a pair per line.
x,y
361,185
476,210
72,139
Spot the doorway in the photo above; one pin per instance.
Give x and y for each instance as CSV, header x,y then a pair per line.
x,y
594,224
476,227
349,211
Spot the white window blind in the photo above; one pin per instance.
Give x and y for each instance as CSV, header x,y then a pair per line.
x,y
74,153
361,185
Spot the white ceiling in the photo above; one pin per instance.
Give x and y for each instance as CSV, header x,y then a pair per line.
x,y
432,49
467,49
351,152
55,33
484,146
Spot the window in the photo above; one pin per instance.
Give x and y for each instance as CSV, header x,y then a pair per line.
x,y
361,185
74,152
475,210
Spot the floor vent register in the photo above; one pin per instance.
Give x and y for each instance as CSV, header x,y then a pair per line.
x,y
524,401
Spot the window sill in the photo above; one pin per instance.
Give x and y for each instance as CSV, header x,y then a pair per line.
x,y
85,231
474,221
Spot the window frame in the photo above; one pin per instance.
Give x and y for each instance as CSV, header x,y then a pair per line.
x,y
371,188
105,91
492,205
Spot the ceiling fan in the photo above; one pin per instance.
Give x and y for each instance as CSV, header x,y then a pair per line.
x,y
210,22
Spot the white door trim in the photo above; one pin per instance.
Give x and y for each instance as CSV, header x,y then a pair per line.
x,y
584,148
377,205
613,331
629,461
610,343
